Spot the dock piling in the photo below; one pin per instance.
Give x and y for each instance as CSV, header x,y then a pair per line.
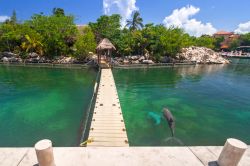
x,y
44,153
232,152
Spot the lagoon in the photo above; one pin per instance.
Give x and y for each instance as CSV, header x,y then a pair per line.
x,y
210,103
38,103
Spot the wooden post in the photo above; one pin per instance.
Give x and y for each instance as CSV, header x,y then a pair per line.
x,y
44,153
98,57
232,152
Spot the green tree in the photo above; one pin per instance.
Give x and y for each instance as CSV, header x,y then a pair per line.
x,y
234,44
58,33
136,22
217,44
173,40
32,43
10,37
85,43
107,27
205,41
13,18
58,12
245,39
125,43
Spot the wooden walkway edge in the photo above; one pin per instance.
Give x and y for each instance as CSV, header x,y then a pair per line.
x,y
107,125
123,156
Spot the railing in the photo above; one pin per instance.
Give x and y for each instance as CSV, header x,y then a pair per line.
x,y
89,113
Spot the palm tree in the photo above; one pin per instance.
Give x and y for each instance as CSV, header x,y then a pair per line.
x,y
135,22
32,45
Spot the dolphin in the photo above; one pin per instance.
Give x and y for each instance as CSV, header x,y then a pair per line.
x,y
156,118
170,119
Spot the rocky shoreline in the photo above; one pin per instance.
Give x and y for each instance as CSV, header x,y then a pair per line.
x,y
197,55
202,55
8,57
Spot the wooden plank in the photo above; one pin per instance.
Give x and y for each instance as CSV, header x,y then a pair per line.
x,y
109,144
112,131
107,124
118,117
108,135
110,139
107,113
204,155
106,128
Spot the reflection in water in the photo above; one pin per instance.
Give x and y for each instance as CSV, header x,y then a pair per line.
x,y
199,70
210,103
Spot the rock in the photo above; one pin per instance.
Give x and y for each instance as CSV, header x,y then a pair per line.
x,y
11,60
165,59
94,57
147,62
118,59
147,55
10,57
33,60
125,61
43,60
33,55
135,62
5,60
142,58
135,57
201,55
9,54
65,60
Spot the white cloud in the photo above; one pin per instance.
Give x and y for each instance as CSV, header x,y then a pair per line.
x,y
123,7
4,18
182,18
243,28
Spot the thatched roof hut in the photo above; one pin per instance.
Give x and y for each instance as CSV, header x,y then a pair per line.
x,y
105,44
104,50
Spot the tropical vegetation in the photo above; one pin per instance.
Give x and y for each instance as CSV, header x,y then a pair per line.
x,y
57,35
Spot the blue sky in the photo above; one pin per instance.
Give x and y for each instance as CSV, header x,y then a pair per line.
x,y
221,14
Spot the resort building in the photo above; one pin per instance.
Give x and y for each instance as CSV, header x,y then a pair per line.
x,y
229,37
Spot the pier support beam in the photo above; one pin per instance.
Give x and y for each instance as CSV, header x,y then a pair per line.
x,y
44,153
232,152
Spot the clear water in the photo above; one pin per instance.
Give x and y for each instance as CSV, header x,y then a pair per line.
x,y
38,103
210,104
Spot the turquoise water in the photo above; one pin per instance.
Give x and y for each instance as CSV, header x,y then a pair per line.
x,y
38,103
245,61
210,104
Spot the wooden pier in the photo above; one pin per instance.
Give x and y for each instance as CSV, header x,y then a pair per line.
x,y
107,126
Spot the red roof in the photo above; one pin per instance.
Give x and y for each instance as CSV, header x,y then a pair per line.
x,y
224,46
223,33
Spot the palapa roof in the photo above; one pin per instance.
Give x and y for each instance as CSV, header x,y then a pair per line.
x,y
105,44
